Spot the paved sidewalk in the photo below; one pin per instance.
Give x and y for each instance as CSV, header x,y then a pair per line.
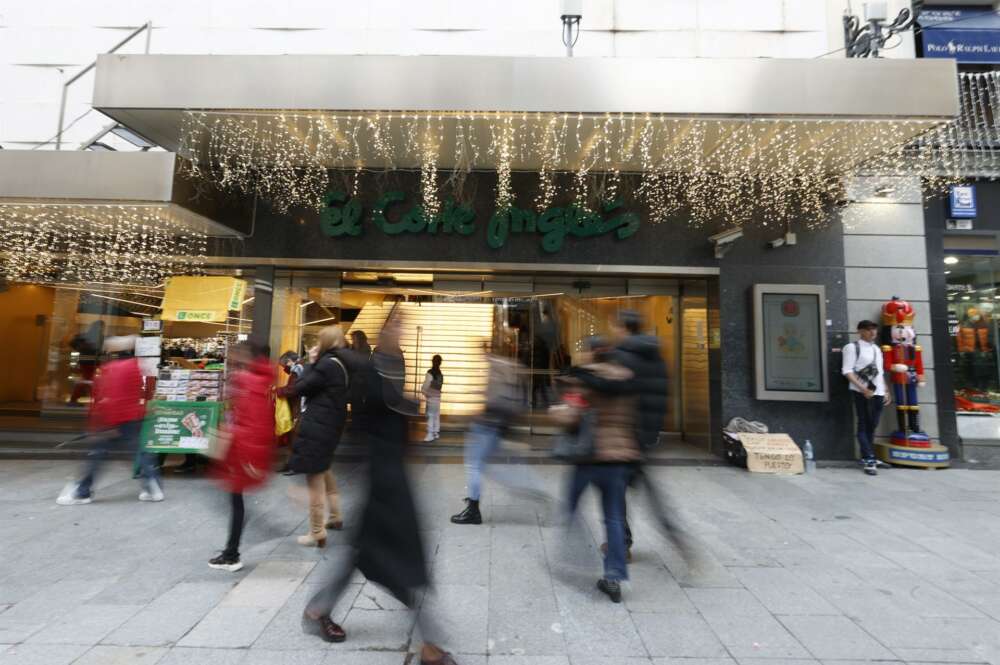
x,y
833,568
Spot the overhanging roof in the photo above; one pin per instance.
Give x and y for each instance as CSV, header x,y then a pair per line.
x,y
843,105
79,181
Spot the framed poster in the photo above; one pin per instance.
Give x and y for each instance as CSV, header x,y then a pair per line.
x,y
790,342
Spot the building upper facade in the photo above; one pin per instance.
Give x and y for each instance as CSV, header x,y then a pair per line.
x,y
44,44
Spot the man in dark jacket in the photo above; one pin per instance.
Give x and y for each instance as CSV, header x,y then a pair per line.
x,y
641,354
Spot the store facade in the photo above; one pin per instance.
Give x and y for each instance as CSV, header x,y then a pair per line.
x,y
585,189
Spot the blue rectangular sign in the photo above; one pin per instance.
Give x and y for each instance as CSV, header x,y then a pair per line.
x,y
963,201
967,34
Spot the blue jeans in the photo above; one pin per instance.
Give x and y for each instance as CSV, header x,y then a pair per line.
x,y
481,442
869,412
124,437
611,479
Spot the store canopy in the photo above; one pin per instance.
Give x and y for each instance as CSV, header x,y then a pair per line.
x,y
967,34
274,126
202,299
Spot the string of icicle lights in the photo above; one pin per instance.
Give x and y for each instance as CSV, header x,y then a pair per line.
x,y
96,243
741,171
967,147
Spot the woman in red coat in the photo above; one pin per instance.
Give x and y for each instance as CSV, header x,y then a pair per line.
x,y
250,430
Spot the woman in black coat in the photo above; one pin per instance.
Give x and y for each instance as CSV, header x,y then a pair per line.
x,y
325,387
388,549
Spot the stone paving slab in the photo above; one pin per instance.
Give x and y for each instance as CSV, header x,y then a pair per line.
x,y
835,568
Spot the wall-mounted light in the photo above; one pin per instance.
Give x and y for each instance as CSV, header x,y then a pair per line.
x,y
950,260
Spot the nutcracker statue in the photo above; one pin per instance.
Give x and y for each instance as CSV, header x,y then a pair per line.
x,y
904,364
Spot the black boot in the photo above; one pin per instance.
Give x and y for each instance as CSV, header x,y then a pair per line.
x,y
470,515
914,417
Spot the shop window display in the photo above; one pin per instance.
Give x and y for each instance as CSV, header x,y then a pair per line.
x,y
972,322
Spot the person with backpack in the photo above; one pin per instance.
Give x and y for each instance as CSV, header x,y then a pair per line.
x,y
431,390
504,402
862,366
325,387
247,460
606,463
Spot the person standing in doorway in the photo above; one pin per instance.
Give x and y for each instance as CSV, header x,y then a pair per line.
x,y
246,464
431,390
862,367
325,387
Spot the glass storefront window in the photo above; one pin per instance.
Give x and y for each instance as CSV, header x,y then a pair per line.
x,y
973,298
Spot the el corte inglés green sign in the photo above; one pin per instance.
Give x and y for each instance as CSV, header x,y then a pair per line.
x,y
345,216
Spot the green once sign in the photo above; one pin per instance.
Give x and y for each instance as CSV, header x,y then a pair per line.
x,y
344,216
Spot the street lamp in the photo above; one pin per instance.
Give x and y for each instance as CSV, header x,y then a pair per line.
x,y
572,12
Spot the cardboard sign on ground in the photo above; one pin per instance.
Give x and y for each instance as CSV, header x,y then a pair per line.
x,y
771,453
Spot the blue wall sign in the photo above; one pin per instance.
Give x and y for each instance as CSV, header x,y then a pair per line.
x,y
967,34
963,201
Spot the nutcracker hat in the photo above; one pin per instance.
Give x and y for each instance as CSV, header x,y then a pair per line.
x,y
897,312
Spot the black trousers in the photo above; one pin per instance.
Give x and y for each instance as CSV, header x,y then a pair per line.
x,y
235,525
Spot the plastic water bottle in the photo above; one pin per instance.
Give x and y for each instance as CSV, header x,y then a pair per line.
x,y
807,454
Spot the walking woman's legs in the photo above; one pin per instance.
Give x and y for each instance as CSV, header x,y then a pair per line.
x,y
317,499
236,518
335,520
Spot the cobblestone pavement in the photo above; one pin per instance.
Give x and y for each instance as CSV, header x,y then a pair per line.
x,y
833,568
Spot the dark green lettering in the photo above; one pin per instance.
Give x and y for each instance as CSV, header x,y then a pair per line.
x,y
522,221
458,219
498,229
338,221
379,213
552,224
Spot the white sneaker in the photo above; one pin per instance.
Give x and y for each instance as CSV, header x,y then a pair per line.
x,y
68,496
154,493
429,437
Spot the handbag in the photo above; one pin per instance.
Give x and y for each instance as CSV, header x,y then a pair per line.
x,y
282,417
577,446
219,441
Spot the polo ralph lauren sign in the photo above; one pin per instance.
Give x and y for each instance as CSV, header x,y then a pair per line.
x,y
345,216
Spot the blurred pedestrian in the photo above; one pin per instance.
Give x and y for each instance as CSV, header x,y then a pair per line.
x,y
116,414
431,390
641,354
325,387
87,345
613,449
359,343
504,402
293,367
388,549
246,463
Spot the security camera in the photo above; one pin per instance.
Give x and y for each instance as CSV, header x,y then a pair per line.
x,y
724,240
788,239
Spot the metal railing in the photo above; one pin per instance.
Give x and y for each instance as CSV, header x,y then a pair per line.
x,y
147,28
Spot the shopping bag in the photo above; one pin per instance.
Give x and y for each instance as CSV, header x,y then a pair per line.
x,y
577,446
218,443
282,417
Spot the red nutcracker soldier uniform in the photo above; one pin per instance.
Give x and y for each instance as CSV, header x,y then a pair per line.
x,y
904,362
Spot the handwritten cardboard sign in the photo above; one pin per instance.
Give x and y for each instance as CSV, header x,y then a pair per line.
x,y
771,453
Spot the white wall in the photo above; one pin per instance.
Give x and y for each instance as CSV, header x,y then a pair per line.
x,y
44,42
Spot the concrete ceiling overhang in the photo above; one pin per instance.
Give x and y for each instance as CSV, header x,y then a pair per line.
x,y
89,182
837,111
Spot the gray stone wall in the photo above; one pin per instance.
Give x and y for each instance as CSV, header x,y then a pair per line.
x,y
885,255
